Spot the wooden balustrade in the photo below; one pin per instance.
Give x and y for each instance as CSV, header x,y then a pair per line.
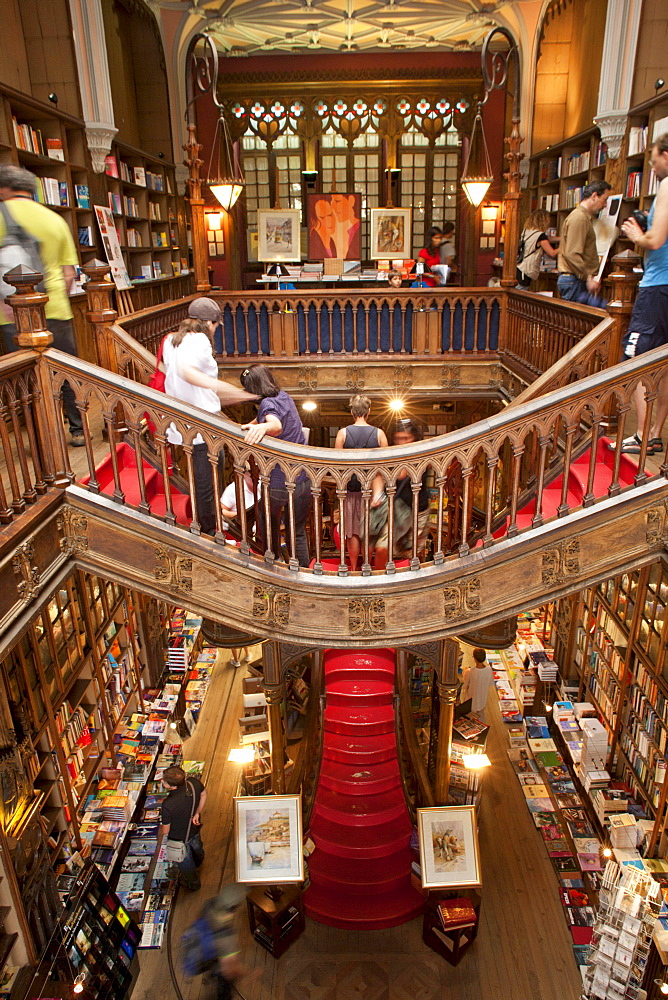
x,y
26,472
494,468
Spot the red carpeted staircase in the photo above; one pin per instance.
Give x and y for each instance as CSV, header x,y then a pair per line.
x,y
360,869
128,477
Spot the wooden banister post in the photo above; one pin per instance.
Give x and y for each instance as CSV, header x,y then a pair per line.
x,y
101,314
32,334
624,281
273,689
200,259
447,680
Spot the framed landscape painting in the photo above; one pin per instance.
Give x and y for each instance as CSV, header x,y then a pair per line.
x,y
449,852
391,233
278,235
268,838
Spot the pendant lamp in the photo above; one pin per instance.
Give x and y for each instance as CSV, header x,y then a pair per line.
x,y
477,173
230,182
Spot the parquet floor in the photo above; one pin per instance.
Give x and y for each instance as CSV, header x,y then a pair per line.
x,y
523,947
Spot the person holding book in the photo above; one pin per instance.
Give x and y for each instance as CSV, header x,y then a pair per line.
x,y
477,680
181,822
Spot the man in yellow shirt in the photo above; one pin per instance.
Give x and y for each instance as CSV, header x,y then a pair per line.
x,y
59,259
578,257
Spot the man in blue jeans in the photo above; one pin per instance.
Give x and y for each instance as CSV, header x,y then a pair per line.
x,y
578,258
180,820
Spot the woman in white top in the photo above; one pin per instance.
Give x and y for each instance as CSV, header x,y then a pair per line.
x,y
191,376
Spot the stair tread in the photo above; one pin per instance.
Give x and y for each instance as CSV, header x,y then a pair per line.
x,y
360,871
359,659
360,716
360,687
358,779
341,909
374,840
369,809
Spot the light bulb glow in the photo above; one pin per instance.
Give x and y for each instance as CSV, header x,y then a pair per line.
x,y
476,761
475,188
396,404
78,983
226,192
309,405
241,755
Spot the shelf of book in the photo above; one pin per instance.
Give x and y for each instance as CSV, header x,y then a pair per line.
x,y
552,170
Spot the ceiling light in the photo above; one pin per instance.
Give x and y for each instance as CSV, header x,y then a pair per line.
x,y
477,173
396,404
309,405
241,755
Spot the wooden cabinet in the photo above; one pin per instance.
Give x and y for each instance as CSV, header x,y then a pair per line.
x,y
276,923
638,182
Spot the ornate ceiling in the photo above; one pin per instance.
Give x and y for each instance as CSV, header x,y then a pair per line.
x,y
253,27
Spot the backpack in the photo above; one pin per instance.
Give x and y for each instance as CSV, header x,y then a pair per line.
x,y
529,253
17,247
198,948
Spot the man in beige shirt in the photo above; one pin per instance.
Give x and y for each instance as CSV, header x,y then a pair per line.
x,y
578,260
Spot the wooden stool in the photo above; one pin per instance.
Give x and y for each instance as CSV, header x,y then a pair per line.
x,y
451,945
275,923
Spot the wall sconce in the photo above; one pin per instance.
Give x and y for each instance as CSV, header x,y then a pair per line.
x,y
213,221
488,213
476,761
241,755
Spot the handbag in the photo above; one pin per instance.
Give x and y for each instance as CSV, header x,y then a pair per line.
x,y
176,850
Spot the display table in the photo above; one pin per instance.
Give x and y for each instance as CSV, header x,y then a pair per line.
x,y
275,924
453,944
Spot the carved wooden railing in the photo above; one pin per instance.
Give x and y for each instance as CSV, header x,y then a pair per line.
x,y
493,464
533,331
540,330
26,472
415,781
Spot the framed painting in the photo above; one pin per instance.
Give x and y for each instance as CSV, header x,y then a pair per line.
x,y
268,839
278,235
391,233
334,222
449,852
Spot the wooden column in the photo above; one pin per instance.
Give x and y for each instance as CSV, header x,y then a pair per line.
x,y
447,680
273,689
624,283
101,314
200,257
511,202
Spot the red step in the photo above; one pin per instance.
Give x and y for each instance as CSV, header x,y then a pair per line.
x,y
360,810
359,779
359,692
359,749
367,875
361,842
364,662
374,720
331,906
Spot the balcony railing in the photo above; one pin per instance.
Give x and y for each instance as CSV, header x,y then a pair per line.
x,y
483,477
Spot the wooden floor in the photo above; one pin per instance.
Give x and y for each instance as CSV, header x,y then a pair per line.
x,y
523,949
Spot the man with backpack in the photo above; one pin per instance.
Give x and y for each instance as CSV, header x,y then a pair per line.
x,y
210,945
33,235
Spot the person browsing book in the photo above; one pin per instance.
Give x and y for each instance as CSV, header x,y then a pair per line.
x,y
477,680
181,822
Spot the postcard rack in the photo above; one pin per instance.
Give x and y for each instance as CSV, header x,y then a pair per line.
x,y
629,903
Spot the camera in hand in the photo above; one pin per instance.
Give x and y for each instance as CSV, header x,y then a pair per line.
x,y
641,219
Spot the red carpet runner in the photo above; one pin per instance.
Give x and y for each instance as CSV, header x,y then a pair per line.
x,y
360,870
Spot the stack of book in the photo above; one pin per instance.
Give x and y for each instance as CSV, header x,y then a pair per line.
x,y
623,830
456,914
594,745
610,800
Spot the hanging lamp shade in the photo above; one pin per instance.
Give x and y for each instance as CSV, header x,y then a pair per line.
x,y
477,173
230,182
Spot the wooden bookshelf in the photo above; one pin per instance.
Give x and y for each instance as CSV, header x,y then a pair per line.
x,y
559,172
73,674
619,653
141,191
636,151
